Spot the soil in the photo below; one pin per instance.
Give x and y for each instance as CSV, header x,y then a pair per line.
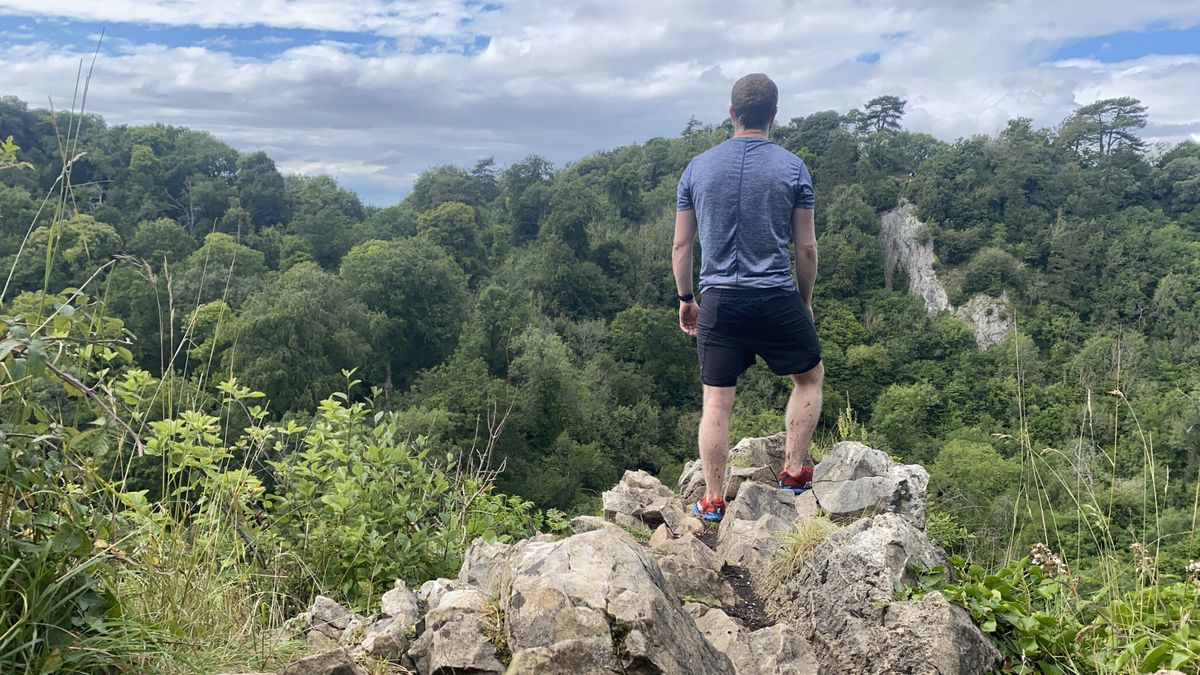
x,y
750,608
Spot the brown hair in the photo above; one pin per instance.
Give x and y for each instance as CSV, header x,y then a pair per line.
x,y
754,98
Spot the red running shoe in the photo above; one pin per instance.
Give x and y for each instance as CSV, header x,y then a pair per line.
x,y
712,510
796,482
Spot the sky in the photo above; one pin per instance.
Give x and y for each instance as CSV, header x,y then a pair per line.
x,y
373,92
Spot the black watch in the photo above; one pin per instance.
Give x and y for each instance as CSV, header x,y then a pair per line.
x,y
687,298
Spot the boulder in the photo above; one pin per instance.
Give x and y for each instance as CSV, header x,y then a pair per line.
x,y
749,533
482,564
855,481
430,593
670,512
692,570
775,650
841,598
386,638
400,604
806,505
570,657
942,636
636,491
458,636
601,598
328,618
581,524
335,662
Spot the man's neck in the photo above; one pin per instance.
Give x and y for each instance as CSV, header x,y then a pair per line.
x,y
760,133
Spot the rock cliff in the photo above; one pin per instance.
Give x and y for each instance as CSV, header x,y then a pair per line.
x,y
990,318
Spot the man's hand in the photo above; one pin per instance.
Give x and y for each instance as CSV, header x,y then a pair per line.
x,y
689,312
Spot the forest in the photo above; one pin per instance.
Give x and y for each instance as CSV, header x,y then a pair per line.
x,y
213,367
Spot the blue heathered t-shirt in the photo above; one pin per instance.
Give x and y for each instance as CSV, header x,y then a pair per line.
x,y
744,191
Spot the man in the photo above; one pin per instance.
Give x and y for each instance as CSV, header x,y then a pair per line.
x,y
749,199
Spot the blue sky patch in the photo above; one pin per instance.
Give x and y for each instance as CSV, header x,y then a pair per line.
x,y
257,42
1127,45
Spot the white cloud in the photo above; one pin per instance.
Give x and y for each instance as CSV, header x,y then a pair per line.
x,y
567,79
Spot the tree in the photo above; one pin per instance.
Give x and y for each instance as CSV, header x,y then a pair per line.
x,y
454,228
293,339
161,239
260,190
1105,126
651,338
323,213
419,295
221,269
882,114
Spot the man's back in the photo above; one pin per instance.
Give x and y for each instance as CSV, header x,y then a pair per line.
x,y
743,192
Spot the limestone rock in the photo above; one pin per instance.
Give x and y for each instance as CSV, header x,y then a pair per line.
x,y
429,595
605,596
581,524
335,662
639,495
841,599
942,636
757,459
692,570
855,480
806,505
751,543
353,634
570,657
482,564
456,637
669,511
400,604
775,650
328,618
990,318
386,638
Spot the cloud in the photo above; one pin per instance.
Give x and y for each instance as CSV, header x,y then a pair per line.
x,y
567,79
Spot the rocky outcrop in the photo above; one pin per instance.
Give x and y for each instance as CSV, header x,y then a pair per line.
x,y
600,594
842,600
990,318
855,480
613,598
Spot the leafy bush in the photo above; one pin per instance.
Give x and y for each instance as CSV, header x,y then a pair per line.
x,y
1034,612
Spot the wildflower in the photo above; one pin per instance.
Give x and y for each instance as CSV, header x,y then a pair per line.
x,y
1051,563
1143,559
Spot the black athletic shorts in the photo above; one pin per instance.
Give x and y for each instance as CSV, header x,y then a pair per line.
x,y
736,324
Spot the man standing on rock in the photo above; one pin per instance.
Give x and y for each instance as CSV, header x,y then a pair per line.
x,y
749,199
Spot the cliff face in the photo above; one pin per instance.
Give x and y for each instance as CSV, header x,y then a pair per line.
x,y
990,318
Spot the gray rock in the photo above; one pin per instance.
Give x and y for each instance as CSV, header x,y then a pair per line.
x,y
631,525
335,662
353,634
482,564
606,596
942,638
751,543
758,459
570,657
806,505
400,604
328,618
775,650
692,570
581,524
855,480
386,638
841,598
669,511
632,496
456,637
430,593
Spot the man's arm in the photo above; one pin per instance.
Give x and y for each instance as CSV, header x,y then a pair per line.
x,y
804,234
681,264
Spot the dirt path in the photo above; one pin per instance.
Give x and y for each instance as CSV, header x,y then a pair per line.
x,y
750,608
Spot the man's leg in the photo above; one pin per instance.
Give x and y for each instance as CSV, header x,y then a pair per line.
x,y
803,411
714,438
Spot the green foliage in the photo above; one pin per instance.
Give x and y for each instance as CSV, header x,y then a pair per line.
x,y
1034,612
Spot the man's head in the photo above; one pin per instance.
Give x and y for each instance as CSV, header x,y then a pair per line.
x,y
754,102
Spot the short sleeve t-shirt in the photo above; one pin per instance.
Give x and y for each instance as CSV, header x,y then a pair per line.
x,y
743,192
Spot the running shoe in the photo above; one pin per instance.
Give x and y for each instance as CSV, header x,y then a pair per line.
x,y
712,510
796,482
